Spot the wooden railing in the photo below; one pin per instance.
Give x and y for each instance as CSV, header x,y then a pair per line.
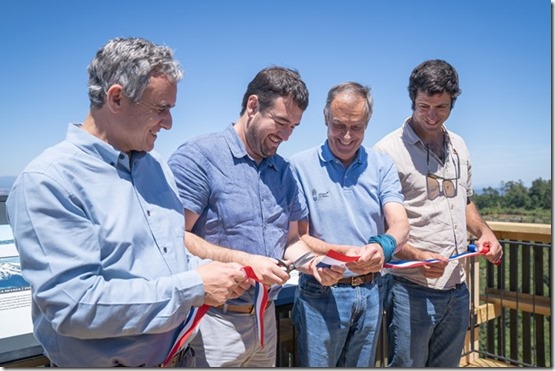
x,y
511,303
510,306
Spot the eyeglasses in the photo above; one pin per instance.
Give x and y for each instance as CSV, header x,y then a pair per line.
x,y
449,186
159,109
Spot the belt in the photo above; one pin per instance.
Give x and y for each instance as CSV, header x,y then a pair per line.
x,y
358,280
247,309
177,357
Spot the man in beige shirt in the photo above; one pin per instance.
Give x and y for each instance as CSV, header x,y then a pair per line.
x,y
429,305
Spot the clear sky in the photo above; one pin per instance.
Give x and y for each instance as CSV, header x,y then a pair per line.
x,y
501,49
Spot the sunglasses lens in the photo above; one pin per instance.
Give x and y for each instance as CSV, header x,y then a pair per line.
x,y
449,188
433,187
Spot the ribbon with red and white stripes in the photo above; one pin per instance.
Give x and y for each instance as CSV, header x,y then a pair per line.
x,y
472,251
196,314
191,323
260,301
336,258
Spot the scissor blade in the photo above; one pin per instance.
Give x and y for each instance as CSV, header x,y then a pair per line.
x,y
302,260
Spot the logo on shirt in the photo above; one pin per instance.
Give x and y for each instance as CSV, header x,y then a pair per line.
x,y
318,196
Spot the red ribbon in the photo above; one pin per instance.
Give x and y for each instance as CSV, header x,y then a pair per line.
x,y
196,314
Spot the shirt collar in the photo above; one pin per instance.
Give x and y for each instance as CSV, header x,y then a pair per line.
x,y
409,133
92,145
238,149
411,136
327,156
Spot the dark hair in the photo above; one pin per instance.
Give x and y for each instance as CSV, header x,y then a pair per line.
x,y
354,88
434,77
275,82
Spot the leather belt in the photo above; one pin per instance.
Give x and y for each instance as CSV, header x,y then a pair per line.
x,y
247,309
358,280
177,357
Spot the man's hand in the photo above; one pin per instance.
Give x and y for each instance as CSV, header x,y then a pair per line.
x,y
433,270
495,252
222,281
326,276
371,259
267,270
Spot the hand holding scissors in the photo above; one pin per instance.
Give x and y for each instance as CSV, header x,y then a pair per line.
x,y
303,259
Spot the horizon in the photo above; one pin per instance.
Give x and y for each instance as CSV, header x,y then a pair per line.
x,y
6,183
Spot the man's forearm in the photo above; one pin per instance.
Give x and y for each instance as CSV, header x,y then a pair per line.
x,y
474,222
206,250
409,252
321,247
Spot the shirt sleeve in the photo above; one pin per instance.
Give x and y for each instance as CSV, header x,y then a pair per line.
x,y
390,186
299,205
71,284
189,170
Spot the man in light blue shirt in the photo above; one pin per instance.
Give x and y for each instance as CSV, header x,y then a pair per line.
x,y
99,225
356,208
239,197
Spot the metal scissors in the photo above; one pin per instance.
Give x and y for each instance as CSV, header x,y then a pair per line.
x,y
297,263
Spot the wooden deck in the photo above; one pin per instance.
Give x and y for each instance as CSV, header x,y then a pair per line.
x,y
486,362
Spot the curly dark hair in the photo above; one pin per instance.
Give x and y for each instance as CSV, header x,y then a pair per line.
x,y
434,77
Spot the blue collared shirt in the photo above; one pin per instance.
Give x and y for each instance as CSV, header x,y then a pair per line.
x,y
240,205
100,238
346,204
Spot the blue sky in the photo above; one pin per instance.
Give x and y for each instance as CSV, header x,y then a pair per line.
x,y
501,49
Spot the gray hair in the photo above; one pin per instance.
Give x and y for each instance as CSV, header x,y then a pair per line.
x,y
354,88
129,62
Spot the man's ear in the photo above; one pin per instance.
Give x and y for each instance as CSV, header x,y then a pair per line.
x,y
115,98
252,105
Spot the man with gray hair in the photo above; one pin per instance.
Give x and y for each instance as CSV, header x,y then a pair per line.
x,y
355,208
99,226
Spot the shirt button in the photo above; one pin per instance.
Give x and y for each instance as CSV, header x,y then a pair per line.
x,y
148,212
121,156
165,249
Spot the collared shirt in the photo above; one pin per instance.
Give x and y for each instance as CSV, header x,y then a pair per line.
x,y
100,238
437,224
346,204
240,205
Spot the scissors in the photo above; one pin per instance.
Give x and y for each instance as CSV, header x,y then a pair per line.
x,y
297,263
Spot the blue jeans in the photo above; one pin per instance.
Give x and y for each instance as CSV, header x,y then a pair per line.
x,y
337,326
426,327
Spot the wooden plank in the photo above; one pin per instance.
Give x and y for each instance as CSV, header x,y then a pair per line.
x,y
471,344
519,301
487,362
522,231
486,312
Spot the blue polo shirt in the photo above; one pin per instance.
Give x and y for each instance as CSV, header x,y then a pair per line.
x,y
241,205
346,203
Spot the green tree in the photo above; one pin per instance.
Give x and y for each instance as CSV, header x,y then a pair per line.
x,y
540,194
488,198
515,195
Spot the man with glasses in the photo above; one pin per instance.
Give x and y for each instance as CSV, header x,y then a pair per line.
x,y
239,197
428,306
98,224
